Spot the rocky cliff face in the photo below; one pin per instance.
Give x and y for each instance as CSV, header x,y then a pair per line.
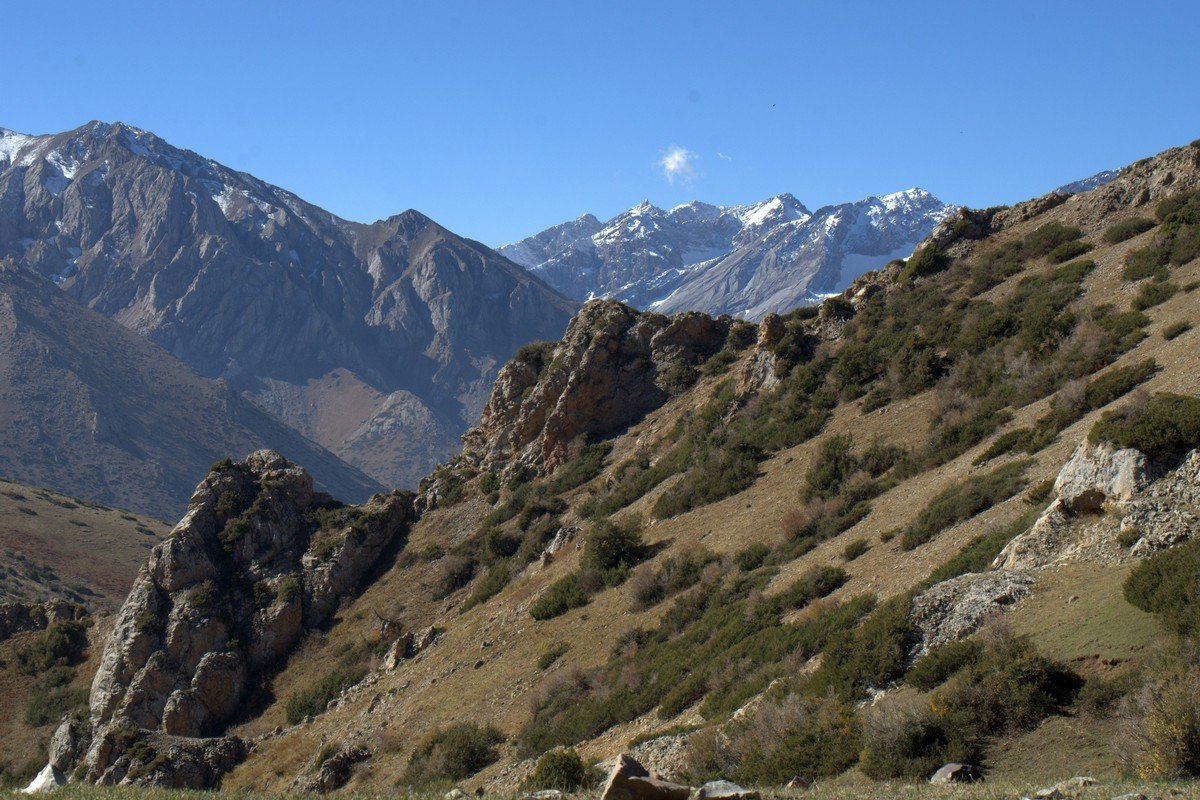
x,y
746,261
612,367
350,333
259,559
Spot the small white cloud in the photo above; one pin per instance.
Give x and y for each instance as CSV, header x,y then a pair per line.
x,y
679,164
724,157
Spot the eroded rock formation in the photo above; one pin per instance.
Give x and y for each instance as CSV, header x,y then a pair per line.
x,y
259,559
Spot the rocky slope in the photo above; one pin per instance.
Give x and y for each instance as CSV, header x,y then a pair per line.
x,y
735,543
91,409
377,341
259,559
742,260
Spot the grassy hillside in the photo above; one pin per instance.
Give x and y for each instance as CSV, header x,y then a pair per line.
x,y
742,544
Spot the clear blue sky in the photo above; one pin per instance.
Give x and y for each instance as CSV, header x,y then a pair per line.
x,y
500,118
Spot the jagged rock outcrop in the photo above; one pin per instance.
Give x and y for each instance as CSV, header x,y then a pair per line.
x,y
613,366
24,617
333,771
956,608
259,559
1157,505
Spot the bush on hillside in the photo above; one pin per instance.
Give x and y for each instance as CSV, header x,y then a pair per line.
x,y
453,753
1175,330
1127,229
797,735
929,261
559,598
1068,250
935,667
1162,427
1154,293
1162,719
1168,585
963,501
561,769
1049,236
313,700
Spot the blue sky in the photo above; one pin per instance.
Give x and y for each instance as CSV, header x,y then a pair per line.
x,y
501,118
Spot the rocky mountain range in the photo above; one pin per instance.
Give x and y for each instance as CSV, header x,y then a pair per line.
x,y
378,341
746,261
94,410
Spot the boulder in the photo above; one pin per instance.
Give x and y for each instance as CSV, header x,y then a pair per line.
x,y
956,773
955,608
629,780
47,780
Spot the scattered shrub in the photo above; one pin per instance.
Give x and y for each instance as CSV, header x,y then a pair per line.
x,y
963,501
313,700
456,571
929,261
585,465
559,598
1068,250
1049,236
872,655
855,549
1175,330
752,557
1102,696
1165,425
935,667
979,553
453,753
60,645
553,654
561,769
1154,293
797,735
1162,730
493,583
1168,585
1127,229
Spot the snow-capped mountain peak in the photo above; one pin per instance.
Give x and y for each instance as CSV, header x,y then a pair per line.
x,y
746,260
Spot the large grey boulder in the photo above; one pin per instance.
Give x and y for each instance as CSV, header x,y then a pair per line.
x,y
629,780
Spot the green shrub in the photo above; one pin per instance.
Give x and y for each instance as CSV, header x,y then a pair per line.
x,y
493,583
1102,695
813,737
1153,294
553,654
586,465
979,553
1127,229
313,700
1049,236
720,473
855,549
929,261
935,667
1175,330
60,645
963,501
752,557
453,753
1168,585
489,482
1162,737
1068,250
455,572
613,548
834,464
51,697
872,655
904,738
561,769
676,573
1165,425
559,598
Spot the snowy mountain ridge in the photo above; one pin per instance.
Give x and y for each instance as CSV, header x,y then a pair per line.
x,y
745,260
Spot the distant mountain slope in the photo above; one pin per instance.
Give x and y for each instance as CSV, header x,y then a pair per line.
x,y
57,547
379,341
93,410
742,260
